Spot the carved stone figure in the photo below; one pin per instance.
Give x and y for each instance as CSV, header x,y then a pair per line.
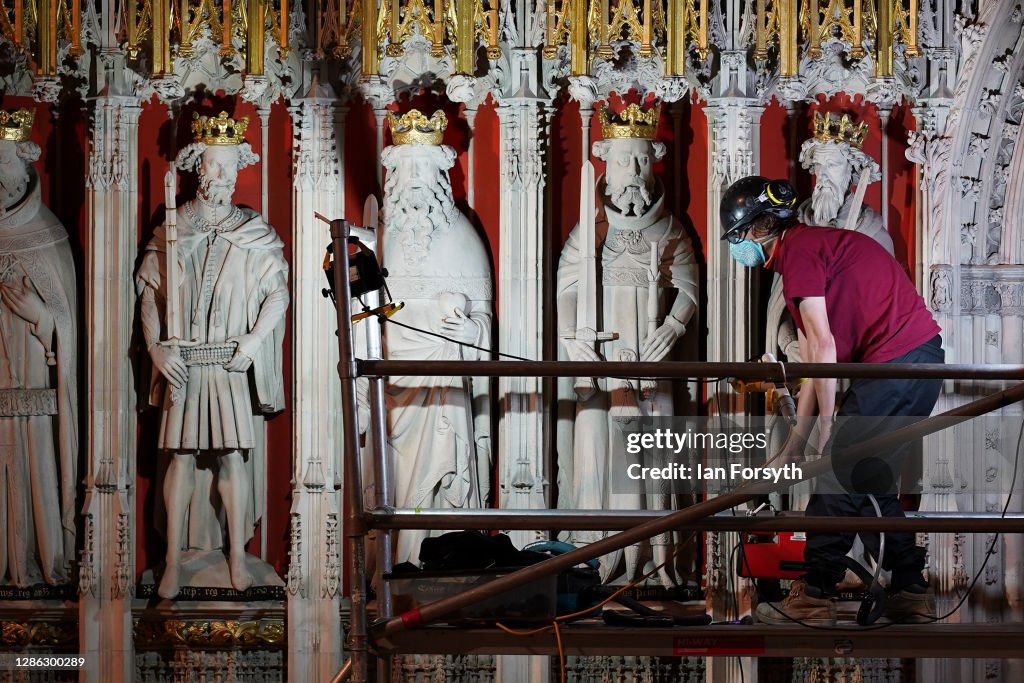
x,y
214,289
629,269
38,392
942,295
835,158
439,427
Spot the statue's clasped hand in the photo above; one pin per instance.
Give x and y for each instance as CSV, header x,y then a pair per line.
x,y
169,363
581,351
658,344
245,352
459,327
26,304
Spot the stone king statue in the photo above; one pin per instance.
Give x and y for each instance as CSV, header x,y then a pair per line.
x,y
835,158
38,392
439,427
627,286
214,290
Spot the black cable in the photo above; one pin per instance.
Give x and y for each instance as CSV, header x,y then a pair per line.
x,y
995,539
384,319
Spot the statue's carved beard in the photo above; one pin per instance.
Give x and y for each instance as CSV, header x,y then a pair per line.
x,y
12,189
632,197
215,191
826,200
415,214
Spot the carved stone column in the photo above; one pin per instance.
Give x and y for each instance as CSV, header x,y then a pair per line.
x,y
524,481
107,569
733,304
314,580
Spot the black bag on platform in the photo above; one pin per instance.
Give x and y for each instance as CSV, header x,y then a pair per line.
x,y
461,551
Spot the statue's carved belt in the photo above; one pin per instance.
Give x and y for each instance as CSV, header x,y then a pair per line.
x,y
207,354
27,402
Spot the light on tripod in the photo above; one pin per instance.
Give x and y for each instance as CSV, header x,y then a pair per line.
x,y
364,275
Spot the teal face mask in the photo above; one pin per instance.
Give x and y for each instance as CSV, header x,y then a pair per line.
x,y
747,253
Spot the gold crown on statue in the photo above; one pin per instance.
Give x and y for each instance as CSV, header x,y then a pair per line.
x,y
632,122
415,128
219,130
832,128
16,124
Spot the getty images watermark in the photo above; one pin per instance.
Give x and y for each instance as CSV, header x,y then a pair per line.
x,y
711,455
662,441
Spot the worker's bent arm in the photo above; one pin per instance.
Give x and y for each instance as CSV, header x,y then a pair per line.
x,y
817,345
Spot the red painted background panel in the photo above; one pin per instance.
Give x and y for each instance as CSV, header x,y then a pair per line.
x,y
684,171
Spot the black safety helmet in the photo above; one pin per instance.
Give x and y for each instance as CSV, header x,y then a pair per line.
x,y
753,196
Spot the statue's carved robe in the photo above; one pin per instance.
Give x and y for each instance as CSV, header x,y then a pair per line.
x,y
38,402
438,427
585,450
226,280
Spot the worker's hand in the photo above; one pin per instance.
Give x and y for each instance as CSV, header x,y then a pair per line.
x,y
459,327
245,352
658,344
791,452
169,363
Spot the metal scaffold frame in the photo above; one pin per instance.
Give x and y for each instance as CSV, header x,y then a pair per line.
x,y
402,633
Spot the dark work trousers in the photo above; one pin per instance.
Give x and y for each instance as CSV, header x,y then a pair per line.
x,y
871,407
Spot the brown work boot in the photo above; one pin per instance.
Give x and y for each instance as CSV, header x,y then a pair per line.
x,y
915,604
804,604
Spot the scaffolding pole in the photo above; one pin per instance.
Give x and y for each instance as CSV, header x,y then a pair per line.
x,y
355,668
435,610
772,372
355,529
616,520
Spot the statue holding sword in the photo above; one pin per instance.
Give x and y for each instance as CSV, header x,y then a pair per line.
x,y
626,289
213,286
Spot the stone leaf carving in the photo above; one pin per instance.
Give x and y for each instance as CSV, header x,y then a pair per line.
x,y
584,90
672,89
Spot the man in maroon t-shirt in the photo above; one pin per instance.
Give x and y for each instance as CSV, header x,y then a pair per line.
x,y
852,302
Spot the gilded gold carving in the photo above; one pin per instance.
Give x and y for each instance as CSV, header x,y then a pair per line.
x,y
63,18
415,128
24,634
16,124
339,22
905,27
632,123
834,19
641,21
413,15
140,25
556,31
203,633
767,27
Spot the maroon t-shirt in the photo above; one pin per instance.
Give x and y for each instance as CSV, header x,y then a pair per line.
x,y
873,309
